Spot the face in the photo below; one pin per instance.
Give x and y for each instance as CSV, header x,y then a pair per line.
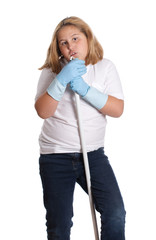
x,y
72,43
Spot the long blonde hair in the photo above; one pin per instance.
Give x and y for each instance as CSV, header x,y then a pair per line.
x,y
95,52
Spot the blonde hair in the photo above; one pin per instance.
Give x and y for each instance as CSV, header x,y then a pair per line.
x,y
95,52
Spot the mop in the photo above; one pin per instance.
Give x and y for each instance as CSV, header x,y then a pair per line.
x,y
86,166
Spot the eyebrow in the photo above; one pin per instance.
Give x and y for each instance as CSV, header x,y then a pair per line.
x,y
71,36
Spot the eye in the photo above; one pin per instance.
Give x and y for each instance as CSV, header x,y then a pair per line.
x,y
63,43
75,39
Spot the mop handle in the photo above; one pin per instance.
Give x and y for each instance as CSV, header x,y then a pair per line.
x,y
86,166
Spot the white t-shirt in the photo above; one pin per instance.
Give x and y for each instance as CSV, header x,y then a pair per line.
x,y
59,133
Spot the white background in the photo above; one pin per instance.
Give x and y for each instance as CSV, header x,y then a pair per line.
x,y
126,30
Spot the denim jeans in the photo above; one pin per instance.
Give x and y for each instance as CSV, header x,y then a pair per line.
x,y
59,174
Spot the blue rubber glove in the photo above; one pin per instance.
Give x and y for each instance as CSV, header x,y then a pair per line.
x,y
73,69
79,86
96,98
56,90
90,94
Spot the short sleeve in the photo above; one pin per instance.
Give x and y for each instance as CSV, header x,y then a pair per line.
x,y
45,79
112,84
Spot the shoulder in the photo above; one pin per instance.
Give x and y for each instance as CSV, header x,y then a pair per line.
x,y
47,72
104,64
106,69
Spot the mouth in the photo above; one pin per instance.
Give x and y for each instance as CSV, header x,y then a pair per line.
x,y
73,54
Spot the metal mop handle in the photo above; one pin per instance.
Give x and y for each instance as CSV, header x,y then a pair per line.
x,y
86,165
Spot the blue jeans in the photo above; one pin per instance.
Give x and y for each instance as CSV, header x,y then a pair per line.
x,y
59,174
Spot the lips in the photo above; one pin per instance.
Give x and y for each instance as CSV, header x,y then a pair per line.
x,y
73,54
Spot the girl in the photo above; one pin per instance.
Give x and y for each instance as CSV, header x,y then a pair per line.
x,y
97,82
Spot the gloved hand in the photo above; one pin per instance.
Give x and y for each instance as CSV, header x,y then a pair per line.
x,y
79,86
73,69
90,94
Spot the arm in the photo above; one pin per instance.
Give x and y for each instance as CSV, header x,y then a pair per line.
x,y
106,104
46,106
114,107
47,103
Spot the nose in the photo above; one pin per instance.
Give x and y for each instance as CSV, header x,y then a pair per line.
x,y
70,45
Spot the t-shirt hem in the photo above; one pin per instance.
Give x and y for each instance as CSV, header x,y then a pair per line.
x,y
62,150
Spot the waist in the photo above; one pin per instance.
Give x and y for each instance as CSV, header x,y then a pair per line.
x,y
59,136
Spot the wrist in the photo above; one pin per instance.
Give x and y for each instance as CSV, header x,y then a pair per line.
x,y
96,98
56,89
84,90
61,80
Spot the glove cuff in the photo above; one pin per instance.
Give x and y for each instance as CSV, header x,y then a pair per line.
x,y
96,98
56,90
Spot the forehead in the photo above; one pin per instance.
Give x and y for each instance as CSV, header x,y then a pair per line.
x,y
68,31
